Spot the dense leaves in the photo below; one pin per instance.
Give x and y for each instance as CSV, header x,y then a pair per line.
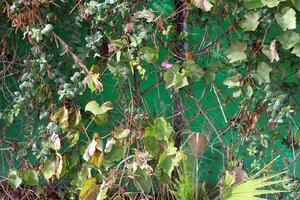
x,y
111,99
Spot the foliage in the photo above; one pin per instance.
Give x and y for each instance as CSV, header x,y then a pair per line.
x,y
102,97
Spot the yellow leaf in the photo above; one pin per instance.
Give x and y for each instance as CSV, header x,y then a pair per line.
x,y
89,190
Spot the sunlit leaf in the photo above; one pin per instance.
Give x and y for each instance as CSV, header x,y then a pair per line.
x,y
96,144
61,117
120,132
94,107
89,190
174,78
14,179
48,169
31,177
296,49
287,19
149,54
204,5
250,22
236,52
271,51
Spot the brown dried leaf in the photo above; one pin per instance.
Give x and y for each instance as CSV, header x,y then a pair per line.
x,y
197,142
238,174
129,27
274,54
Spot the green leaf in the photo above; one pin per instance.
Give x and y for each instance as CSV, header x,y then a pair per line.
x,y
175,79
247,91
94,107
120,132
89,190
250,22
116,153
31,178
161,129
192,70
287,19
262,74
271,3
14,179
236,52
102,119
288,39
149,54
152,145
296,49
142,180
167,162
48,169
296,4
252,4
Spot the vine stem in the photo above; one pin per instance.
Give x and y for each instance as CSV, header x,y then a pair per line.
x,y
180,22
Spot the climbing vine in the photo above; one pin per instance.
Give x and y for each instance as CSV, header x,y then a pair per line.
x,y
117,99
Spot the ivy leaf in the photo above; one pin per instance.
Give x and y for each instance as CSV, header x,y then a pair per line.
x,y
271,52
262,74
61,117
204,5
287,19
94,107
89,189
252,4
149,54
48,169
175,79
250,22
14,179
236,52
296,49
31,178
192,70
121,133
288,39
